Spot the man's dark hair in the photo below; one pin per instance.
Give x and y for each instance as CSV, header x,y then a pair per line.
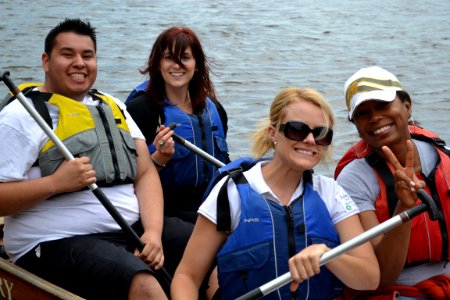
x,y
70,25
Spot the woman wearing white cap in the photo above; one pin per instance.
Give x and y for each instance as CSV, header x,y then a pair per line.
x,y
412,257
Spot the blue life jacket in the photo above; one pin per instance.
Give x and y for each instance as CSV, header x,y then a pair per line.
x,y
268,234
137,91
186,171
204,131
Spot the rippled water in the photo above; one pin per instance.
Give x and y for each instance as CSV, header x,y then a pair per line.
x,y
258,47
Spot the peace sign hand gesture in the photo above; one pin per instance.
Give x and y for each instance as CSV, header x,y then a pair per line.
x,y
406,182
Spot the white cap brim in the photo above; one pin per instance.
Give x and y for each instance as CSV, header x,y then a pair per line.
x,y
378,95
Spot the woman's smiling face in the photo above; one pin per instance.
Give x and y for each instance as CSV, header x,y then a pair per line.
x,y
301,155
381,123
175,75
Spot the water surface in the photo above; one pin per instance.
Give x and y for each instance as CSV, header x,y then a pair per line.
x,y
258,47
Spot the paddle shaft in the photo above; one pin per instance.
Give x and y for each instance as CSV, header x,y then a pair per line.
x,y
341,249
130,233
195,149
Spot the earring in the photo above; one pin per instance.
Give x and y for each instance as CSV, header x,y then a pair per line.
x,y
274,143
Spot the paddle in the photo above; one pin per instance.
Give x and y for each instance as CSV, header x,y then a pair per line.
x,y
194,148
426,205
130,233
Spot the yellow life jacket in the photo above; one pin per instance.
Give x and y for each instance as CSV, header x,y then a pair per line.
x,y
99,132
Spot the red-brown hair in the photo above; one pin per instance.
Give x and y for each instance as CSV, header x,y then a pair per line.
x,y
176,40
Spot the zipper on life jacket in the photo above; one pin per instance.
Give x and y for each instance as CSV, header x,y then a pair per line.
x,y
290,225
291,239
110,141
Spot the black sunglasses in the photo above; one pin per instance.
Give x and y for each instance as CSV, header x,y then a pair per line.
x,y
298,131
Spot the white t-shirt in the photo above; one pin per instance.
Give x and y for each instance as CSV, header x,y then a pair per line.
x,y
64,215
339,204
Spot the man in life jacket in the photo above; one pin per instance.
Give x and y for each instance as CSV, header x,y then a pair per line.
x,y
412,257
55,226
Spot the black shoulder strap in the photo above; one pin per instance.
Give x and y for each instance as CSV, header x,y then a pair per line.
x,y
307,177
379,164
39,100
223,115
223,204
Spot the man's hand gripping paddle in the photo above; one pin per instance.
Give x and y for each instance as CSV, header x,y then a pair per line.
x,y
163,276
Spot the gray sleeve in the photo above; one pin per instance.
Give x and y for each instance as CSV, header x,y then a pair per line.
x,y
428,156
360,181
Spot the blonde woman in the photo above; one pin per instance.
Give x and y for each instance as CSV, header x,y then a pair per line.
x,y
282,216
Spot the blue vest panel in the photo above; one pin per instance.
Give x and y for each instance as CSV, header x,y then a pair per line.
x,y
204,131
257,251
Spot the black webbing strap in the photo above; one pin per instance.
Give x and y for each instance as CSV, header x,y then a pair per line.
x,y
307,177
379,164
39,100
223,204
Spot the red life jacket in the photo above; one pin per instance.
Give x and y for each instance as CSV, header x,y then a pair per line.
x,y
436,287
431,238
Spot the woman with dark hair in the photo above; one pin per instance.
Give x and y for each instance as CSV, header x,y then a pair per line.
x,y
180,91
414,256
